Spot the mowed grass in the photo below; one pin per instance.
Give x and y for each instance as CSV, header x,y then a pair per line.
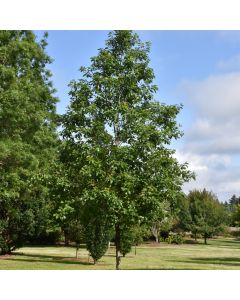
x,y
219,254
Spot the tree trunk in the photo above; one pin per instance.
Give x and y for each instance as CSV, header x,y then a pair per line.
x,y
135,249
66,238
155,232
205,238
77,248
117,243
195,236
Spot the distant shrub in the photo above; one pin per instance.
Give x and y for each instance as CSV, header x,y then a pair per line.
x,y
97,236
175,239
161,239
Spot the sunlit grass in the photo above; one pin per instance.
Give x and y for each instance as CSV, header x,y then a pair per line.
x,y
219,254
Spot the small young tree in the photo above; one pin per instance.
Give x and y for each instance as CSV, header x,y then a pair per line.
x,y
208,215
132,236
116,137
97,235
126,240
76,233
163,221
139,232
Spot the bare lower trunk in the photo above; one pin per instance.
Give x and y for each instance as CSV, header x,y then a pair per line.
x,y
77,248
66,238
205,238
118,259
155,232
135,249
195,236
117,243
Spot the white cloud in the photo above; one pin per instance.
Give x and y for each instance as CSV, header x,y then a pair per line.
x,y
212,142
217,173
216,101
215,97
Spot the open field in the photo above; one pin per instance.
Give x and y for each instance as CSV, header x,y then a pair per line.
x,y
219,254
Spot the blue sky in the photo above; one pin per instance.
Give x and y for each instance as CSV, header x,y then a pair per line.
x,y
201,70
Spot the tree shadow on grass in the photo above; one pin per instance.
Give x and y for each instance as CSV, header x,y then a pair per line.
x,y
233,244
221,261
76,262
231,261
47,259
54,257
199,261
162,269
228,243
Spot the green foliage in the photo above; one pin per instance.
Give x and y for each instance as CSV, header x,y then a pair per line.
x,y
126,240
97,236
175,239
234,200
50,236
27,136
208,215
236,215
163,221
183,215
140,233
232,211
132,236
76,232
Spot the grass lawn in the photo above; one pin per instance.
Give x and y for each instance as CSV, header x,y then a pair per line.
x,y
219,254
